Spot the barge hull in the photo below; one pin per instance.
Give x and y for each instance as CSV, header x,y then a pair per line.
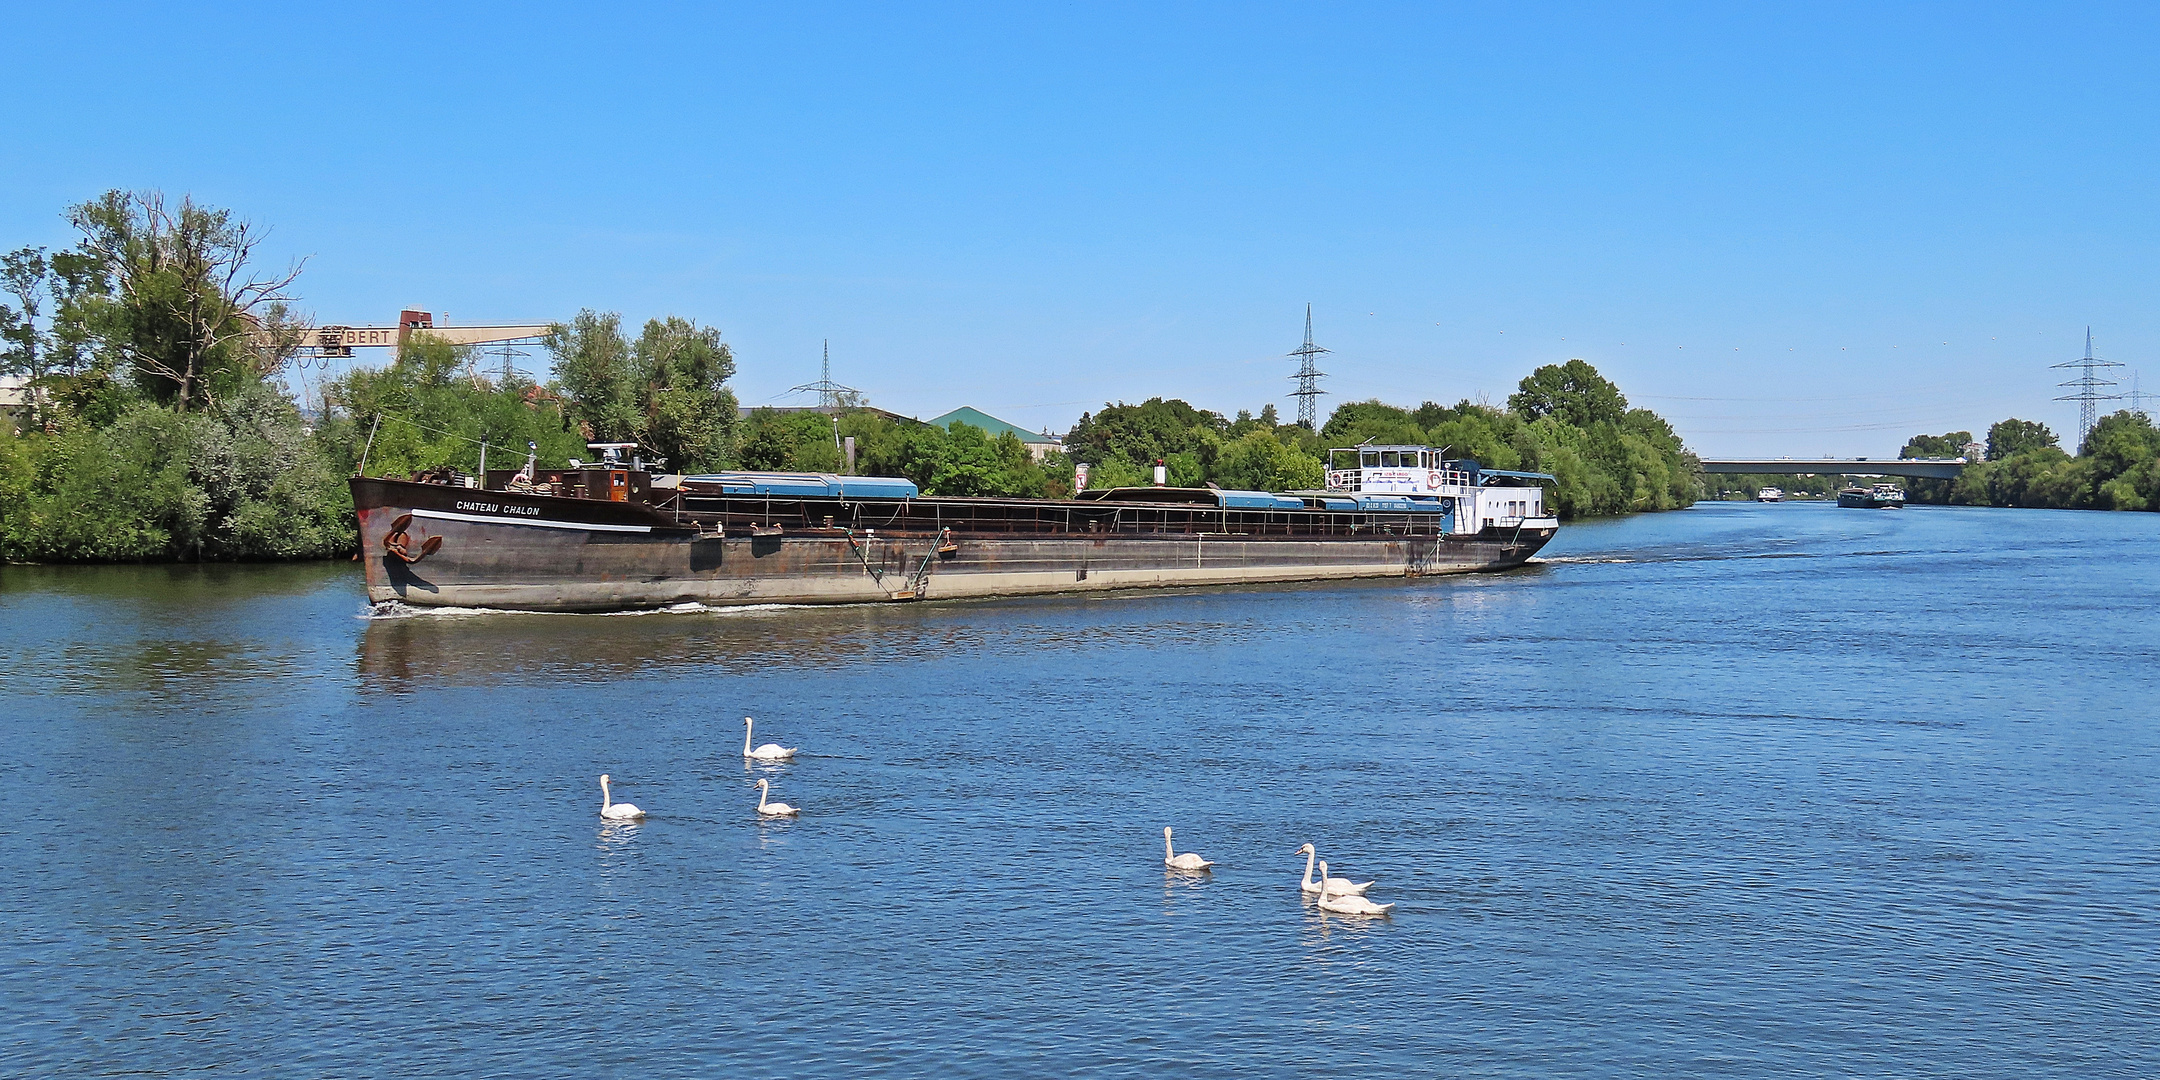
x,y
534,554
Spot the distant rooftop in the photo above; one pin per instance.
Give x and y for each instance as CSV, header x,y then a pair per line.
x,y
974,417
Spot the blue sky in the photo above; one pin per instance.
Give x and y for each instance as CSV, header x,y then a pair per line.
x,y
1793,230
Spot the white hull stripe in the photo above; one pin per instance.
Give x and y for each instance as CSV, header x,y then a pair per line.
x,y
489,519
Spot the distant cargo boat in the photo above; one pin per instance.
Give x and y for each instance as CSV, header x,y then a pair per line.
x,y
1878,497
1769,494
613,535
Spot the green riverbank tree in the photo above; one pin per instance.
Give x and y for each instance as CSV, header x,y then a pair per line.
x,y
667,390
2118,468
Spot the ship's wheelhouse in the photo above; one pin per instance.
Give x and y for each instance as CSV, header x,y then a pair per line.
x,y
1398,470
1474,498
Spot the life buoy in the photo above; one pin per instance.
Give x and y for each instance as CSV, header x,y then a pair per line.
x,y
1432,479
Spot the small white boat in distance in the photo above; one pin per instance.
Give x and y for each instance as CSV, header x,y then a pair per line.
x,y
1769,494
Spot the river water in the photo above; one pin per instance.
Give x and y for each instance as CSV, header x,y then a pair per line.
x,y
1736,791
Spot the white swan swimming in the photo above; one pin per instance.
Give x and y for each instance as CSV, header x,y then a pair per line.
x,y
766,809
1339,886
771,751
616,811
1348,905
1187,861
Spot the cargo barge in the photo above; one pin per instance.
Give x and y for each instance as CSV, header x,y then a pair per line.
x,y
614,536
1878,497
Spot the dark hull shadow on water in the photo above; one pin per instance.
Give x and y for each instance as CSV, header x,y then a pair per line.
x,y
404,645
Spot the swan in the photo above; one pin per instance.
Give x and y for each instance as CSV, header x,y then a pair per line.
x,y
771,751
1347,905
1335,886
616,811
766,809
1187,861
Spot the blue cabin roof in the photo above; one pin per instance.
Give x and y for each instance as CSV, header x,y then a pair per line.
x,y
1547,477
816,485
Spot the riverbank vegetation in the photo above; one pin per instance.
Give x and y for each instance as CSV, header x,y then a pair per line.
x,y
161,423
2118,467
158,424
1564,419
154,429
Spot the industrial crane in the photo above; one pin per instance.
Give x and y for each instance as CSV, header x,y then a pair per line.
x,y
339,341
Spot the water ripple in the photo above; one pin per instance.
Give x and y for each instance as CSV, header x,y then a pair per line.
x,y
1746,791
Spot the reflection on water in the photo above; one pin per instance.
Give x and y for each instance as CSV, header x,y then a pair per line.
x,y
487,647
1660,805
501,647
615,840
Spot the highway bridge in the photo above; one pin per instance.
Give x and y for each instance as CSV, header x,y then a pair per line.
x,y
1930,468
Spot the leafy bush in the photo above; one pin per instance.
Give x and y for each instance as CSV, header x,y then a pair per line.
x,y
246,483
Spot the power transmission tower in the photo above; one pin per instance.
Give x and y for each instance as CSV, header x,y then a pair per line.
x,y
2137,397
508,354
828,391
1308,378
2088,387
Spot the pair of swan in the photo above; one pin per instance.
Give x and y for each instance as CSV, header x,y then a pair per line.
x,y
611,810
768,752
1339,895
1348,903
